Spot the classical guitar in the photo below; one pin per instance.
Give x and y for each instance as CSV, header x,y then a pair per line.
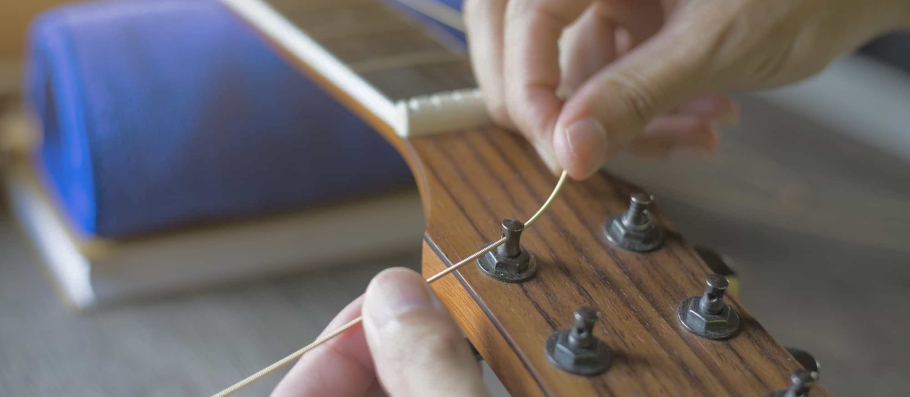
x,y
601,297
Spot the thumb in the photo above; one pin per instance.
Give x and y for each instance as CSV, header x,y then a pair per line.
x,y
417,348
613,106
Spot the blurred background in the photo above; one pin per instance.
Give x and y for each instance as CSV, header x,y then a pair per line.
x,y
154,241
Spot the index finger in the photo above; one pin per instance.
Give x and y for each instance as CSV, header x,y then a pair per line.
x,y
531,65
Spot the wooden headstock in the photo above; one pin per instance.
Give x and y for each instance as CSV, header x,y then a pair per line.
x,y
471,180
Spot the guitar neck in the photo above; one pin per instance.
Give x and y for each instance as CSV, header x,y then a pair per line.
x,y
416,78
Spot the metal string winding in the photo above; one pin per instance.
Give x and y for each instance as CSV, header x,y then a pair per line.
x,y
296,355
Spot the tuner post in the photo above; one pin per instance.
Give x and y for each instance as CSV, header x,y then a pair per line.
x,y
577,350
510,262
511,230
801,382
712,301
708,315
807,360
633,230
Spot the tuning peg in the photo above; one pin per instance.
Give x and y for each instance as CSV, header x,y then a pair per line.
x,y
577,350
633,230
474,351
510,262
807,360
801,382
723,265
708,315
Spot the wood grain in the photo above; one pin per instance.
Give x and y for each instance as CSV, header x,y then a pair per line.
x,y
471,180
489,341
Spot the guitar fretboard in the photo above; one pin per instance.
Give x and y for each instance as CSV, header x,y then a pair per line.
x,y
398,56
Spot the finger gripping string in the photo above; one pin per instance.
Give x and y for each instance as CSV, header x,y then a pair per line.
x,y
296,355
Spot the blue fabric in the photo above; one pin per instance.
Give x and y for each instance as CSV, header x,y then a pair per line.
x,y
163,113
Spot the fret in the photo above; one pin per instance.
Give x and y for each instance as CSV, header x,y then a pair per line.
x,y
287,6
422,79
394,54
380,46
352,22
401,61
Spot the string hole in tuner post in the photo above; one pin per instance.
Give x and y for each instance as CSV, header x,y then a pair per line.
x,y
633,230
510,262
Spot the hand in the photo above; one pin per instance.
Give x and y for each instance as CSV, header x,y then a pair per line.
x,y
584,79
409,345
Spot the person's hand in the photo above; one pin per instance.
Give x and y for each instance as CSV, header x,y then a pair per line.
x,y
409,345
583,79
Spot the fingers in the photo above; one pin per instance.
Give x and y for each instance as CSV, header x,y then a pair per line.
x,y
417,347
585,47
606,30
612,107
340,367
611,101
532,31
484,22
668,133
636,20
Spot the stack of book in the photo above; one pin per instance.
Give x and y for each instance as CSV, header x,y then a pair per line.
x,y
89,271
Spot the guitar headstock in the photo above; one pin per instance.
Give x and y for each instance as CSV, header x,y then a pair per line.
x,y
619,304
658,339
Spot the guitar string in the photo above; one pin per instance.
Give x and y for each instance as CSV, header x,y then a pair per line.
x,y
440,12
296,355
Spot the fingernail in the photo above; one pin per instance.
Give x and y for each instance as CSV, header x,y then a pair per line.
x,y
587,141
548,158
395,292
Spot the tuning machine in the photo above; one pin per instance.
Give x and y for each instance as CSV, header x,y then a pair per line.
x,y
510,262
633,230
577,350
708,315
807,360
801,382
474,350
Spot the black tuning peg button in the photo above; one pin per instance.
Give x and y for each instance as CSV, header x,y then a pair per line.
x,y
577,350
